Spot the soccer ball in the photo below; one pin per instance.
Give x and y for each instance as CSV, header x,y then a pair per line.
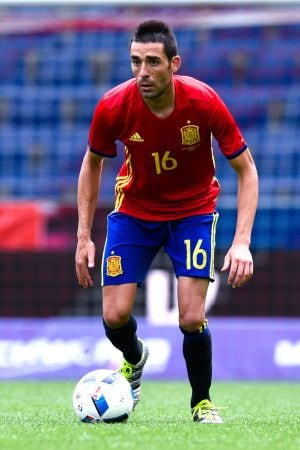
x,y
103,396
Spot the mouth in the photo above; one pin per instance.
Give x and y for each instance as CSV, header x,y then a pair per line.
x,y
145,86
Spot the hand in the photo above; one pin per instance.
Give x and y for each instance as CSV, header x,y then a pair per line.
x,y
85,259
238,260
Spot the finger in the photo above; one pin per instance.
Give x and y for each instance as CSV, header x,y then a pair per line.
x,y
240,276
91,256
243,274
233,272
226,263
83,275
244,280
249,269
86,281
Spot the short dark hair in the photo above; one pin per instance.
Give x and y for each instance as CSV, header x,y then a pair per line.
x,y
156,31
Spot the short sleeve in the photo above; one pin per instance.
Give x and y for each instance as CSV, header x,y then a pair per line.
x,y
225,130
101,136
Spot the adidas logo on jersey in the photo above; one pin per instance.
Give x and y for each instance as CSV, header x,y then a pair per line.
x,y
136,137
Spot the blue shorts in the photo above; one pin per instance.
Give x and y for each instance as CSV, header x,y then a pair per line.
x,y
131,245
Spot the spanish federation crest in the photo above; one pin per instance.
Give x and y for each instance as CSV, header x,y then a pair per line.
x,y
190,134
114,266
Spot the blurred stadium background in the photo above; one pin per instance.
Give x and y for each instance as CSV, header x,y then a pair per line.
x,y
55,63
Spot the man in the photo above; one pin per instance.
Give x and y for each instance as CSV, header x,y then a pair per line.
x,y
166,194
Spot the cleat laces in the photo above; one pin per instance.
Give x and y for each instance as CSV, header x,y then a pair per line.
x,y
206,412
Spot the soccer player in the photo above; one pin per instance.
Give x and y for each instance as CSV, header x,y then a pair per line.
x,y
165,197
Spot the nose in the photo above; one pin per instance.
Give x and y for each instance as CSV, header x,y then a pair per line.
x,y
144,70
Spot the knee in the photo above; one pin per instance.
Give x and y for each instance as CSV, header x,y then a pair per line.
x,y
115,318
191,302
117,301
191,321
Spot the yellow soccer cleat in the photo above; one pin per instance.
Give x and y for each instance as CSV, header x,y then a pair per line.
x,y
206,412
133,372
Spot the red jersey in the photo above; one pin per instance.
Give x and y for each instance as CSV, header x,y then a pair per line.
x,y
169,170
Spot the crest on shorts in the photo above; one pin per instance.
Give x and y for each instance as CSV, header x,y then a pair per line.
x,y
114,266
190,134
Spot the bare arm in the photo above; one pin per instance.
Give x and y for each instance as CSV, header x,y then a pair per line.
x,y
238,260
87,198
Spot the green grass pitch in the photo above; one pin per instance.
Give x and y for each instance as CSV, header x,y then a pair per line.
x,y
260,416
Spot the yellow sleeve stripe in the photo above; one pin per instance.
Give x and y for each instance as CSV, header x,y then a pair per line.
x,y
123,181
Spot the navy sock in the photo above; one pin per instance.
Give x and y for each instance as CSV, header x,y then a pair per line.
x,y
125,339
197,352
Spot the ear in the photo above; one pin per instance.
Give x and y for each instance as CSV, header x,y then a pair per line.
x,y
175,63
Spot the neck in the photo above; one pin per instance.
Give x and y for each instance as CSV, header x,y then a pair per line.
x,y
163,105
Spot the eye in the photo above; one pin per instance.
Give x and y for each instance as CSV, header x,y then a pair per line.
x,y
154,61
135,61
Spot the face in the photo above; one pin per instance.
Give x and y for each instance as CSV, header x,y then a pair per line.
x,y
152,69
